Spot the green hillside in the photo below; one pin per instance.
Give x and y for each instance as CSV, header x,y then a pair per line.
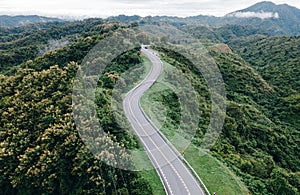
x,y
21,20
256,142
277,59
41,151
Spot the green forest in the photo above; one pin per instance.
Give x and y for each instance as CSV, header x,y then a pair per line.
x,y
41,150
258,142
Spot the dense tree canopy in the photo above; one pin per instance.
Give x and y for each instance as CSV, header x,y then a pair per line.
x,y
41,150
256,142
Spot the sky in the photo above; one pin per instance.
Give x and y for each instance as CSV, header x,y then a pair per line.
x,y
105,8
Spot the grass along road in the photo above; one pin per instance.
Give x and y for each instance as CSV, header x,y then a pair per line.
x,y
216,176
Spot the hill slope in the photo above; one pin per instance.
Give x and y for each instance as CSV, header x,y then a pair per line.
x,y
15,21
265,17
277,60
41,149
281,18
255,141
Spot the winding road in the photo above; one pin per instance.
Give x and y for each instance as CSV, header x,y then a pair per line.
x,y
177,179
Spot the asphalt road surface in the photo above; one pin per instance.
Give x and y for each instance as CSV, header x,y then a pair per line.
x,y
174,174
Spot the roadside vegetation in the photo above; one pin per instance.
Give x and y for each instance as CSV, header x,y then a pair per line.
x,y
255,143
41,150
163,108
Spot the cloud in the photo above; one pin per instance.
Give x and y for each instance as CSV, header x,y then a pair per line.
x,y
105,8
261,15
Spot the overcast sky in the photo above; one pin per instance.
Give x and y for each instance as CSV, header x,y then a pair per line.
x,y
104,8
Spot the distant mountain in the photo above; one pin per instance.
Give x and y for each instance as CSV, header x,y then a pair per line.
x,y
271,18
279,19
265,17
15,21
124,18
267,6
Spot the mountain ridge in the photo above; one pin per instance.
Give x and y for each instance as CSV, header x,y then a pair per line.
x,y
21,20
281,19
267,6
274,19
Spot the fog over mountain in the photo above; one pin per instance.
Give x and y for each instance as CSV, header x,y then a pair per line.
x,y
106,8
266,17
275,19
13,21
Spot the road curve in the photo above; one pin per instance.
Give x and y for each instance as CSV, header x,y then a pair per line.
x,y
174,174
